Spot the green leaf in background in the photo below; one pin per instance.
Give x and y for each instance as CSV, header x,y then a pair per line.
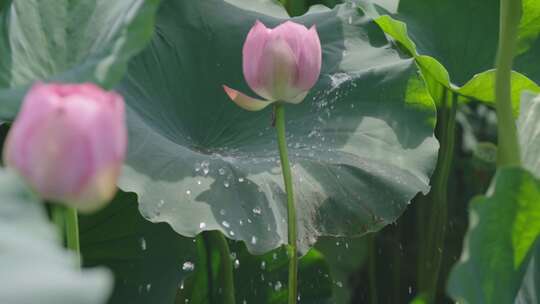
x,y
530,288
529,132
454,43
74,41
361,143
148,260
263,278
34,268
503,228
344,256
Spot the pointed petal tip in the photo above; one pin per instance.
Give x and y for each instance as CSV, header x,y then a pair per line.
x,y
244,101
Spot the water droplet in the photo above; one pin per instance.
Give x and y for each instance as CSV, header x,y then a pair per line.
x,y
278,286
236,264
188,266
257,210
202,225
221,171
225,224
205,166
253,240
143,243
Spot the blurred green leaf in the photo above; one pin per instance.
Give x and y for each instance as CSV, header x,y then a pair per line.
x,y
148,260
263,278
454,43
34,268
529,132
361,144
503,228
73,41
344,256
530,288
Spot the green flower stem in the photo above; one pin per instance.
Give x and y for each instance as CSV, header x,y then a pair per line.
x,y
201,286
291,211
508,148
220,267
72,230
433,246
67,222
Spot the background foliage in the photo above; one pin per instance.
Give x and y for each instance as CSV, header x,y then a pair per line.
x,y
363,144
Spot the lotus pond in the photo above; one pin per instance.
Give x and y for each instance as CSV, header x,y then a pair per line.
x,y
265,151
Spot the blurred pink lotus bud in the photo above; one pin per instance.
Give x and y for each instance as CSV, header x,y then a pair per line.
x,y
280,64
69,142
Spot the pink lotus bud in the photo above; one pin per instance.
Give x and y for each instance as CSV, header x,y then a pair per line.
x,y
280,64
69,142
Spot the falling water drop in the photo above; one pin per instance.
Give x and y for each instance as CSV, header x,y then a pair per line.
x,y
205,166
143,243
188,266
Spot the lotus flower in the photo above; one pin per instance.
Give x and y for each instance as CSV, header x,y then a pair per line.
x,y
69,142
280,64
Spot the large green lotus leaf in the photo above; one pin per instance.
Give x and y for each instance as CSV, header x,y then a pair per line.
x,y
34,268
361,144
74,41
503,228
147,259
455,41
